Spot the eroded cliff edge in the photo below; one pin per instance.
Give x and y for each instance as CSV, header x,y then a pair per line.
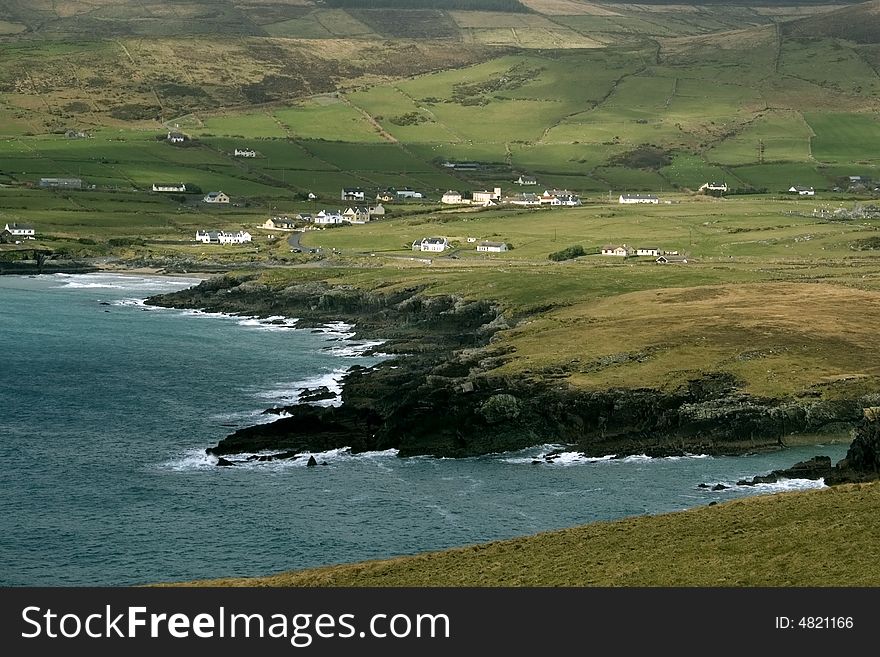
x,y
439,396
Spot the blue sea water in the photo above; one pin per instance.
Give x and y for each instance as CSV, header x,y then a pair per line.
x,y
108,406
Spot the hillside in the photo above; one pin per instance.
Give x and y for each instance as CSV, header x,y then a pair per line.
x,y
828,537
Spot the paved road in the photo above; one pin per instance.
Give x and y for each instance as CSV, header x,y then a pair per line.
x,y
293,240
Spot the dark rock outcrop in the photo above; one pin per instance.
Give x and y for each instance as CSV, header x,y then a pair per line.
x,y
862,460
815,468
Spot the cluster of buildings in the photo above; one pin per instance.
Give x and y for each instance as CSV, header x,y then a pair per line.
x,y
440,244
493,197
222,237
624,251
355,214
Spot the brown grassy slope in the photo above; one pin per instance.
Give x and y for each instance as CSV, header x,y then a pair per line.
x,y
825,537
859,23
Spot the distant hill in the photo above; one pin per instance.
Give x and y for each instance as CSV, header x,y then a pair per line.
x,y
859,23
461,5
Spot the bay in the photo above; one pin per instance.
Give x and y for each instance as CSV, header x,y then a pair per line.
x,y
108,406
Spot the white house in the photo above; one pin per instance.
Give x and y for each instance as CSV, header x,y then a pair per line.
x,y
621,250
175,137
526,180
647,251
353,194
26,231
526,200
245,152
216,197
328,218
222,237
802,191
485,196
492,247
169,187
432,244
406,192
279,223
713,187
451,198
638,198
559,197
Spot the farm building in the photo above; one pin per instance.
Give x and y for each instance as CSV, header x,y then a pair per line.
x,y
61,183
169,187
216,197
279,223
245,152
802,191
671,259
559,197
713,187
638,198
432,244
222,237
406,192
526,180
619,250
648,251
353,194
492,247
527,199
174,137
16,230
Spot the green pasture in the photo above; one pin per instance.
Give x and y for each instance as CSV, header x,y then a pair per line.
x,y
844,137
247,124
329,119
319,24
784,134
691,171
780,176
621,179
384,157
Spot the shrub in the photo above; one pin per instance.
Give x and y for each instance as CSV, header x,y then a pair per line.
x,y
500,408
568,253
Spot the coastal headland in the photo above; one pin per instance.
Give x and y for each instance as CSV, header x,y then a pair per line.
x,y
445,390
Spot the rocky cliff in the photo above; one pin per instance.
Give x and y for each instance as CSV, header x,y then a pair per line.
x,y
439,395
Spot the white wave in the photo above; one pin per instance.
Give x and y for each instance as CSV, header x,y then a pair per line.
x,y
290,393
124,282
552,457
784,485
353,350
274,323
192,459
198,460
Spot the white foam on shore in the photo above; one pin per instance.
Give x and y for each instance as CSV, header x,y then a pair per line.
x,y
548,455
784,485
289,393
273,323
353,350
194,460
123,282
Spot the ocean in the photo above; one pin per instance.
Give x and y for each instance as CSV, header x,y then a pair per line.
x,y
108,406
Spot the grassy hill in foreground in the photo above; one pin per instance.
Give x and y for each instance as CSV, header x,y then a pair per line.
x,y
825,537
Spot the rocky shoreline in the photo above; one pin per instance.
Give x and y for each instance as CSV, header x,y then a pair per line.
x,y
438,396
